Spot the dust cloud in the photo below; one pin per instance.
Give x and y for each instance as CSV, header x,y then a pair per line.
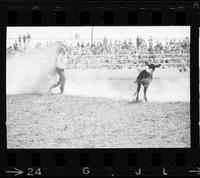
x,y
93,88
163,88
161,91
30,71
169,89
33,72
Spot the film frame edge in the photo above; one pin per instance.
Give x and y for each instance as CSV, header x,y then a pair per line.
x,y
191,154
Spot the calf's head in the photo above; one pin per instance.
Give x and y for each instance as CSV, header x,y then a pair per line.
x,y
152,66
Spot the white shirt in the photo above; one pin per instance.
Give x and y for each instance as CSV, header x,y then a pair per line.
x,y
61,62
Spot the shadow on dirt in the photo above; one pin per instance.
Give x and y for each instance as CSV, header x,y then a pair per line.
x,y
31,94
134,102
54,94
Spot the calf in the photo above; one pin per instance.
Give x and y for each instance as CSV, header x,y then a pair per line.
x,y
144,78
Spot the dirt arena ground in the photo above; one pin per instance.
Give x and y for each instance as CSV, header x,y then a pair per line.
x,y
64,121
95,112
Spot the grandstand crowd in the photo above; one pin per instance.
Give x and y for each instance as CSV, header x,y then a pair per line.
x,y
117,54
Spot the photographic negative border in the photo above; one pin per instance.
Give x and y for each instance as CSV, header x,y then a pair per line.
x,y
102,162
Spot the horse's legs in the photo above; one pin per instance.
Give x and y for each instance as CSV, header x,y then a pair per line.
x,y
145,92
138,91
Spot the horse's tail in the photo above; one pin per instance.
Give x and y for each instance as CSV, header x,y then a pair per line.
x,y
136,87
135,93
138,79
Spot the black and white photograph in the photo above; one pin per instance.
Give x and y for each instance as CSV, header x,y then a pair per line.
x,y
98,87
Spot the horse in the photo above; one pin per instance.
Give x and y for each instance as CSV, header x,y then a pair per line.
x,y
145,78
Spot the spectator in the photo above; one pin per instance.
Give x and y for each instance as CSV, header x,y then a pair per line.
x,y
78,44
138,42
20,40
105,41
28,37
108,53
24,41
15,45
82,45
